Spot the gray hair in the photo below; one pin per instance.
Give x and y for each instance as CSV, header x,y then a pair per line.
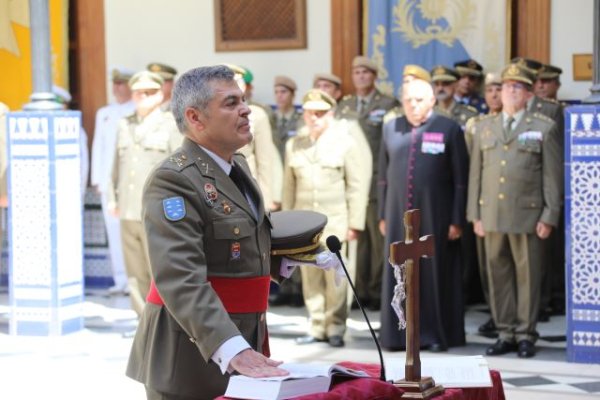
x,y
193,89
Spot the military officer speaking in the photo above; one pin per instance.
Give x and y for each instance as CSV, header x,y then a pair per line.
x,y
209,239
515,187
144,138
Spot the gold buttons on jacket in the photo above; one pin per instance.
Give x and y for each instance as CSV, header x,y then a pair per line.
x,y
236,231
480,202
503,162
501,196
502,179
505,147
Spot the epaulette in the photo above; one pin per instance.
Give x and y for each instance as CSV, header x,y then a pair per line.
x,y
178,161
542,117
347,97
553,101
471,108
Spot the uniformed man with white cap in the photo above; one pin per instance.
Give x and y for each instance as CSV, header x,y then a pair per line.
x,y
144,138
103,153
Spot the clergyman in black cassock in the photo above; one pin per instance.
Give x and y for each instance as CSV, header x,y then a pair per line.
x,y
425,167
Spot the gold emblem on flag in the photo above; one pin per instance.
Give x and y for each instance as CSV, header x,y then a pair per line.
x,y
460,15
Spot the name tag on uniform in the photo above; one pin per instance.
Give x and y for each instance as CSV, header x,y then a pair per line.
x,y
530,136
377,115
433,143
174,208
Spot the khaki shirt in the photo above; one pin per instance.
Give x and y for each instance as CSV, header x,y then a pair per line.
x,y
517,181
141,145
323,175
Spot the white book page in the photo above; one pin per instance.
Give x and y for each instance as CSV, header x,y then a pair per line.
x,y
451,372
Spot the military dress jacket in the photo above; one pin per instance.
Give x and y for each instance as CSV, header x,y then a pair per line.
x,y
323,176
260,152
553,110
285,127
371,123
199,226
517,181
460,113
141,146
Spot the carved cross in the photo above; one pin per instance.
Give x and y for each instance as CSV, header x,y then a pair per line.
x,y
410,252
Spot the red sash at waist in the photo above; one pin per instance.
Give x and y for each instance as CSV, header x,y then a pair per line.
x,y
238,295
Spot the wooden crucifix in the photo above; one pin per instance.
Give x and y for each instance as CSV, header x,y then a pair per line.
x,y
410,252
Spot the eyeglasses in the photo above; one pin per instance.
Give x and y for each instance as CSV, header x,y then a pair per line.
x,y
513,85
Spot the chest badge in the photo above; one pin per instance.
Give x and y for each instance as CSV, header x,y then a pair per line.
x,y
210,194
226,207
174,208
235,250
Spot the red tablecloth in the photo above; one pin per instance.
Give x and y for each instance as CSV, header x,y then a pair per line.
x,y
374,389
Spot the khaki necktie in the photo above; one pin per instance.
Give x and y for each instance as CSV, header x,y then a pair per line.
x,y
508,127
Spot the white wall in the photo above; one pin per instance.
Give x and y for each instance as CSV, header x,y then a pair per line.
x,y
571,32
181,33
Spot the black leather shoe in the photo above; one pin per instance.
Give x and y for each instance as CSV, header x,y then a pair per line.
x,y
526,349
500,347
488,329
308,340
336,341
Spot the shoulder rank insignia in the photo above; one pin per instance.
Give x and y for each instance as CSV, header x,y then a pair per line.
x,y
174,208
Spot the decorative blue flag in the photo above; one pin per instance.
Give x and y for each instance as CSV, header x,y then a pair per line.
x,y
432,32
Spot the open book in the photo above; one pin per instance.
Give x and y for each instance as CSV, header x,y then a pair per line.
x,y
450,372
307,378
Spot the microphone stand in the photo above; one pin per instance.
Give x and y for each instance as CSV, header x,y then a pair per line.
x,y
382,370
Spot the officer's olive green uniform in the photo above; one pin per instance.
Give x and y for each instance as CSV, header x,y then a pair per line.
x,y
514,183
323,176
218,236
285,127
460,113
369,263
141,145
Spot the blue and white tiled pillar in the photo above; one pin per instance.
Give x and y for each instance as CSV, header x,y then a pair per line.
x,y
582,217
45,223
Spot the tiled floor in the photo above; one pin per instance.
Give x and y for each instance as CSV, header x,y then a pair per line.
x,y
90,364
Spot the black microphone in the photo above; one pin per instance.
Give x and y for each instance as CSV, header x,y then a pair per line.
x,y
334,246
